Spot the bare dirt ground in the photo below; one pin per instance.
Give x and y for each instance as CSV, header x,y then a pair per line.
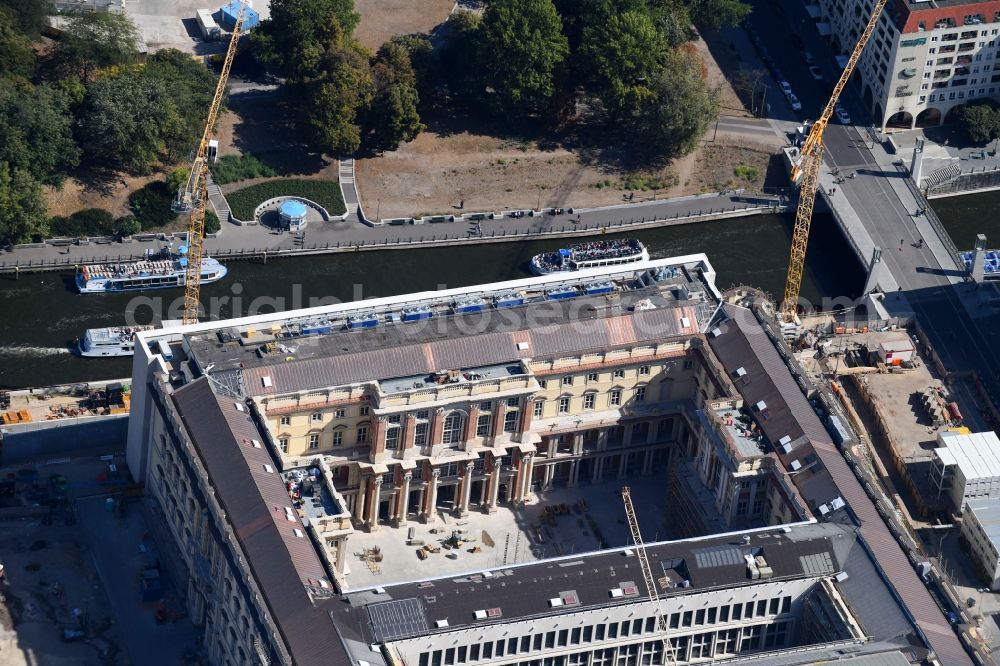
x,y
107,193
383,19
716,61
440,169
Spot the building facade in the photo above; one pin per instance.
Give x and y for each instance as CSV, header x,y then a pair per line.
x,y
925,59
981,531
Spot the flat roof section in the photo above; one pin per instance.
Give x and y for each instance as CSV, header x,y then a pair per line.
x,y
976,454
987,514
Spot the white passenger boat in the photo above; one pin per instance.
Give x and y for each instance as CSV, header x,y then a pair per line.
x,y
158,271
590,255
110,341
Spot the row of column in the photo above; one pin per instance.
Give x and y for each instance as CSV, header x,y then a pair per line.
x,y
366,506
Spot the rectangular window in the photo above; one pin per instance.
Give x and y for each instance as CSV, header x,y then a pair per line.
x,y
285,420
488,650
449,657
588,634
542,383
563,405
510,421
600,633
364,411
525,643
392,438
500,648
644,370
486,405
317,417
640,393
574,637
699,617
675,620
362,434
314,441
762,608
619,374
615,398
338,437
539,407
567,380
724,614
686,621
786,605
613,630
588,401
592,377
773,606
339,413
536,643
420,434
737,612
550,639
283,444
512,646
563,638
483,425
711,615
462,654
513,402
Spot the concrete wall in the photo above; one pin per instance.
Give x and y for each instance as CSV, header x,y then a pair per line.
x,y
51,439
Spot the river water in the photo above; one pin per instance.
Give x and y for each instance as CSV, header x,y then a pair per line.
x,y
41,314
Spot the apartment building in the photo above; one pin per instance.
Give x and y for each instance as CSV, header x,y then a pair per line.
x,y
272,445
980,523
926,58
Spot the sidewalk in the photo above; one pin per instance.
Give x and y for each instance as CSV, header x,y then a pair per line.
x,y
351,235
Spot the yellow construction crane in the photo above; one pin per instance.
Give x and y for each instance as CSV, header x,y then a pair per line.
x,y
194,196
640,548
806,173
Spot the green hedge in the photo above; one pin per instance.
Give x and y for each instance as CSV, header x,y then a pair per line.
x,y
86,222
324,192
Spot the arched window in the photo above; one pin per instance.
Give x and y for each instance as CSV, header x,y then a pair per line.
x,y
452,433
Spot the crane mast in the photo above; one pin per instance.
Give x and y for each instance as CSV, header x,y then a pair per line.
x,y
806,173
647,574
194,196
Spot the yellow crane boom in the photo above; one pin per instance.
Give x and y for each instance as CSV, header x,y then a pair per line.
x,y
640,548
194,196
806,173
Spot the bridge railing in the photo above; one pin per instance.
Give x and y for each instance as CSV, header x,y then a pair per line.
x,y
949,245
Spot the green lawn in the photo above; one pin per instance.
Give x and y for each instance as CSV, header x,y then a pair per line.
x,y
324,192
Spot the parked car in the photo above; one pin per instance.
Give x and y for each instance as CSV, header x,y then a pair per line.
x,y
785,86
816,73
842,116
794,102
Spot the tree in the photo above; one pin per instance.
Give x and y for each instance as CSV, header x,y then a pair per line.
x,y
22,206
461,38
622,57
718,13
191,87
16,56
36,132
332,104
521,46
96,40
127,121
395,119
421,53
127,225
683,109
981,122
30,16
300,32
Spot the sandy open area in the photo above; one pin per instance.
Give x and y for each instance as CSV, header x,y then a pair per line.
x,y
382,19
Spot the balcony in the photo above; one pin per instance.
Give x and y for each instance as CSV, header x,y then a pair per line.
x,y
947,48
963,60
966,47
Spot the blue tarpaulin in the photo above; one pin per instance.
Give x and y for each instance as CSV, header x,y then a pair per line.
x,y
229,13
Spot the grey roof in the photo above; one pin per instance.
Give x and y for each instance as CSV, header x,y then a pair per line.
x,y
524,591
743,342
986,512
370,354
284,566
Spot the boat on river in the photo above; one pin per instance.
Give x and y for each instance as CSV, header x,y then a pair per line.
x,y
991,263
159,270
590,255
110,341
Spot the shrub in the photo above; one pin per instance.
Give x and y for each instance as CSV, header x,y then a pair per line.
x,y
178,179
212,224
86,222
233,168
127,225
747,173
151,205
324,192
